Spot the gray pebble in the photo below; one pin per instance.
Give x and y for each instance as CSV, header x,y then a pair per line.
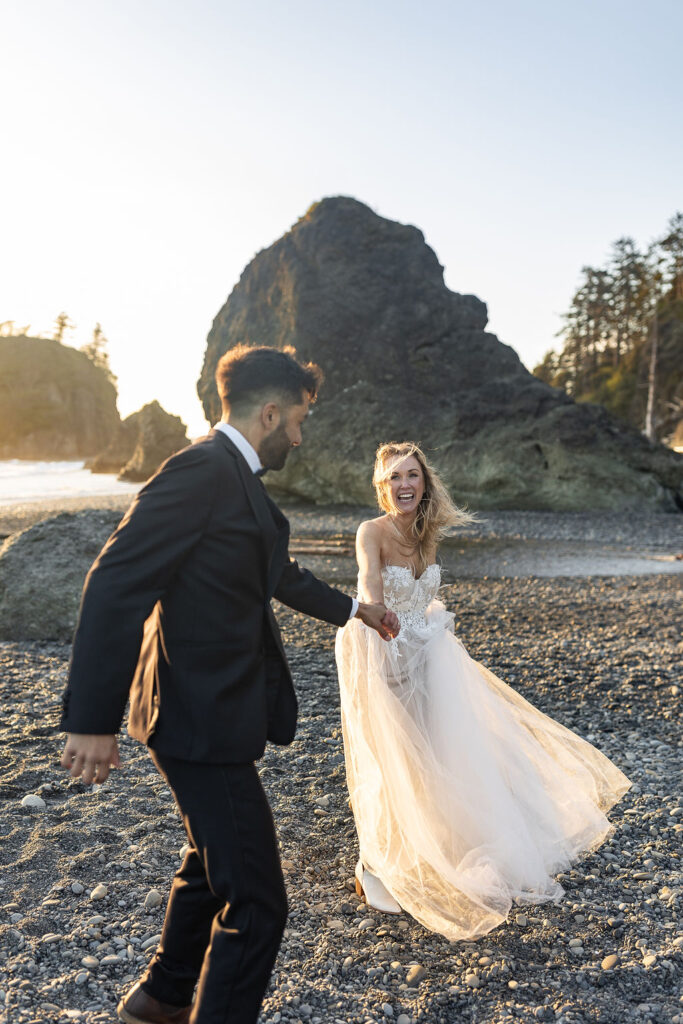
x,y
153,899
415,975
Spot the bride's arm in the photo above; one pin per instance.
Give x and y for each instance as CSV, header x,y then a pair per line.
x,y
368,556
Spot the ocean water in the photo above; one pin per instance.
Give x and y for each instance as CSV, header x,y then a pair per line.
x,y
22,481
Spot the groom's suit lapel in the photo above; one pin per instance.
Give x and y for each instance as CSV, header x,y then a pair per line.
x,y
273,535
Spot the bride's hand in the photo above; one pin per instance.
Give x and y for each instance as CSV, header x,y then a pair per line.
x,y
378,618
391,623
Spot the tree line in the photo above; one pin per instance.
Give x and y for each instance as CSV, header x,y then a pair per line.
x,y
96,349
622,336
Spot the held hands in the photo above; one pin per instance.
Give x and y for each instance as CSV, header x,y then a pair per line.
x,y
90,756
377,617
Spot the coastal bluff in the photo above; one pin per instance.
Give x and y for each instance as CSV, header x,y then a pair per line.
x,y
407,358
54,402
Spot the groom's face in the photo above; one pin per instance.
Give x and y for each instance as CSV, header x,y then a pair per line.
x,y
285,433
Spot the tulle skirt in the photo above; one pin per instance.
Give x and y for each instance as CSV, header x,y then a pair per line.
x,y
466,798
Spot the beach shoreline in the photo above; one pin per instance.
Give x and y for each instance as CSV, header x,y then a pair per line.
x,y
501,543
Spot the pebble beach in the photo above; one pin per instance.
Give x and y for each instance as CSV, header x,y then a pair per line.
x,y
85,871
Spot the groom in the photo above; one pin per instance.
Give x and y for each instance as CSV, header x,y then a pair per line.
x,y
176,610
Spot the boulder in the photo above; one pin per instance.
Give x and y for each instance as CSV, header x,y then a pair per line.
x,y
406,358
54,402
42,571
159,435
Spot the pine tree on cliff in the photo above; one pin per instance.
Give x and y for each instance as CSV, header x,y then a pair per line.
x,y
623,335
97,353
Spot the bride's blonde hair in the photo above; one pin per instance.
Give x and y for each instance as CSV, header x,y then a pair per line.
x,y
436,511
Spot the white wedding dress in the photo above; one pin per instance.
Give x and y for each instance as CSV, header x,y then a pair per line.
x,y
465,796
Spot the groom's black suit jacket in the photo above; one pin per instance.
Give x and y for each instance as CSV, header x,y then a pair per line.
x,y
176,610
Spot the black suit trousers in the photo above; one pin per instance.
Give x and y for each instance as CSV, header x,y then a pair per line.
x,y
228,906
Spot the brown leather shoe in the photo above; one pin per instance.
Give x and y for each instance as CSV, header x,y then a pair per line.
x,y
139,1008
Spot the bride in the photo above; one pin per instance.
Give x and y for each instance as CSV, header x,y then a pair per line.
x,y
465,796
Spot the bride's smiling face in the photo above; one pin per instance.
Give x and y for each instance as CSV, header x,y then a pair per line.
x,y
407,485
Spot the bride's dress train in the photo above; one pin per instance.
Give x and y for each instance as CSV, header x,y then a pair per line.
x,y
465,796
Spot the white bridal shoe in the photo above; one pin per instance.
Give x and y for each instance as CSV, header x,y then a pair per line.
x,y
376,896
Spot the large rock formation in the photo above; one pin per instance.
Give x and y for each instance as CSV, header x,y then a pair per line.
x,y
42,570
119,450
142,442
160,435
404,357
54,402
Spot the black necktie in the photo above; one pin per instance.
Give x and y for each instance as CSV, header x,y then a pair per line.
x,y
261,471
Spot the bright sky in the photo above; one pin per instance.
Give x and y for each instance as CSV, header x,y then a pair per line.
x,y
152,147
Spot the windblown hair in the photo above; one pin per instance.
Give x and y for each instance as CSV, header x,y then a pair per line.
x,y
246,375
436,511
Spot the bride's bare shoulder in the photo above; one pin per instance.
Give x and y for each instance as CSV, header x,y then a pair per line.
x,y
372,527
370,532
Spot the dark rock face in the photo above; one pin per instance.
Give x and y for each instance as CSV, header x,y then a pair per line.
x,y
159,435
42,571
120,449
405,358
54,402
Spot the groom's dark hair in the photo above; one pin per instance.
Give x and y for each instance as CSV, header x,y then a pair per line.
x,y
245,376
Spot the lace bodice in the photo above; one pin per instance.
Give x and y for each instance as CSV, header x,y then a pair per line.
x,y
408,596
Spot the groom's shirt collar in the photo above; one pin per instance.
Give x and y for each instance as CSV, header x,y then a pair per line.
x,y
240,442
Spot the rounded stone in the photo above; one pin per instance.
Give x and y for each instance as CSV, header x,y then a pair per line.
x,y
415,975
77,888
99,892
153,899
34,802
609,962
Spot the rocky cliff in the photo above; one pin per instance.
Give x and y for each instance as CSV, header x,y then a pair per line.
x,y
159,435
142,442
405,357
54,402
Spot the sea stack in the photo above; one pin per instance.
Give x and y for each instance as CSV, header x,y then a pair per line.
x,y
406,358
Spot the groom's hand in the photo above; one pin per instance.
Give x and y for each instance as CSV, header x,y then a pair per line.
x,y
90,756
378,618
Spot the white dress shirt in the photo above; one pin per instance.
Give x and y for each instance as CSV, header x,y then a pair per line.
x,y
251,455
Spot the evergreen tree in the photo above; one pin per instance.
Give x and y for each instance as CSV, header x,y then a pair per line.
x,y
97,353
622,337
62,325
